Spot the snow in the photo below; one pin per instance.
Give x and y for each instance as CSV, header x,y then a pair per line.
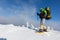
x,y
11,32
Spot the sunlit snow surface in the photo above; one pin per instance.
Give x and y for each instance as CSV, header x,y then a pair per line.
x,y
11,32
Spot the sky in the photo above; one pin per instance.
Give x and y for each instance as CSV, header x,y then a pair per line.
x,y
18,12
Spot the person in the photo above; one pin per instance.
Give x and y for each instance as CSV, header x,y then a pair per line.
x,y
42,15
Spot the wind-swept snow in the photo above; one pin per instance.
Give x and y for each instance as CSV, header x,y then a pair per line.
x,y
11,32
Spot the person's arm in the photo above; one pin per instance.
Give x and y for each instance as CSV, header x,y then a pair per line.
x,y
38,14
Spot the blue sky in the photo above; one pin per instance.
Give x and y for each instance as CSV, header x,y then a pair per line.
x,y
18,12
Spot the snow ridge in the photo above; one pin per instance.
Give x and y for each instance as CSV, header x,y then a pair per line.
x,y
11,32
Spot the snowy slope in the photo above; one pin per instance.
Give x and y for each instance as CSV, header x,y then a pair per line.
x,y
11,32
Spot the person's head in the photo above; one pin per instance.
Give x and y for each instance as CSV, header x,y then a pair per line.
x,y
41,9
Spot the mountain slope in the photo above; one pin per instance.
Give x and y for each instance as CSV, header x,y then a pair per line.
x,y
11,32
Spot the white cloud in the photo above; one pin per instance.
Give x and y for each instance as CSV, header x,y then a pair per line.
x,y
17,15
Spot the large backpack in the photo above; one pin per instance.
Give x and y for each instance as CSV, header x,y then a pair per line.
x,y
48,13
